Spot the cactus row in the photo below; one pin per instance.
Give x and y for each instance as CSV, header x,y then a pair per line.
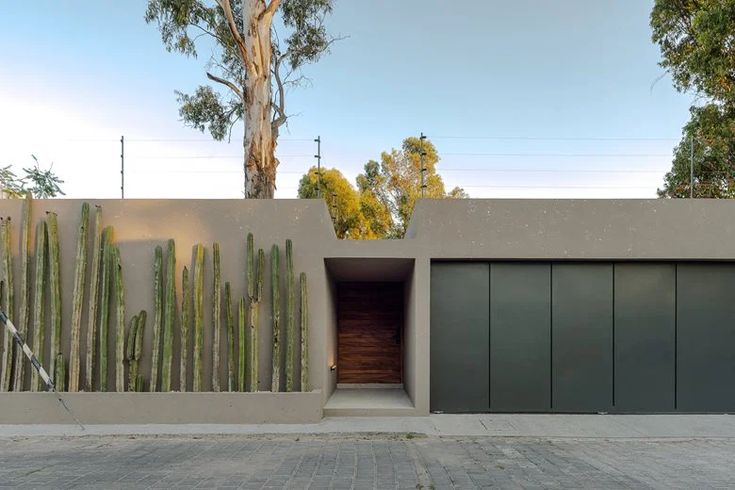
x,y
25,290
276,318
169,316
55,287
77,298
38,302
216,314
198,316
94,294
104,326
290,318
230,327
185,328
304,333
157,317
6,363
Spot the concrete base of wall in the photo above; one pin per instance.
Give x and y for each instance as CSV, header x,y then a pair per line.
x,y
162,408
370,402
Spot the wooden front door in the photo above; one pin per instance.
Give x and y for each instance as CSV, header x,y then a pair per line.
x,y
370,321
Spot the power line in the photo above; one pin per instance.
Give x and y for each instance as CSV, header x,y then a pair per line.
x,y
532,170
562,155
552,187
553,138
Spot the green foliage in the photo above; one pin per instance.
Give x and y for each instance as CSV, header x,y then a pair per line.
x,y
712,131
696,41
39,183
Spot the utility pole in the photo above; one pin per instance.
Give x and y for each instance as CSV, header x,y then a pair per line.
x,y
318,157
122,167
691,167
423,167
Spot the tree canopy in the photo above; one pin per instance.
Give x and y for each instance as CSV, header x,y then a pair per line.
x,y
40,183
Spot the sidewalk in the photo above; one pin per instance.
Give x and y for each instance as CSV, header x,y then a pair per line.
x,y
498,425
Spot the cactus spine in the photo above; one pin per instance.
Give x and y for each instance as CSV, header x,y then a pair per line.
x,y
304,334
185,327
105,304
93,301
290,318
254,321
276,316
242,345
25,290
38,302
119,320
55,286
7,359
169,316
230,339
157,318
198,316
216,315
78,297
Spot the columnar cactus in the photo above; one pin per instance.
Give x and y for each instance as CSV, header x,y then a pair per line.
x,y
229,325
290,318
55,287
6,363
198,316
304,334
185,328
138,352
134,350
107,256
216,315
157,317
254,321
77,298
59,372
25,290
119,320
169,316
38,302
242,345
276,318
94,280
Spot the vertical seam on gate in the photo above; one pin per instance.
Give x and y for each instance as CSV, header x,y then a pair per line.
x,y
551,336
613,334
676,336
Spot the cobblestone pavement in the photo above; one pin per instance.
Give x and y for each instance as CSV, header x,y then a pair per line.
x,y
365,461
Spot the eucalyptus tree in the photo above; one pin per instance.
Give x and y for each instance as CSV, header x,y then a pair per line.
x,y
258,48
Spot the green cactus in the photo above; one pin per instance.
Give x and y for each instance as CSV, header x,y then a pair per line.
x,y
134,349
6,363
59,372
25,290
157,318
77,298
119,320
304,334
55,287
198,316
254,321
276,318
38,302
231,382
242,345
94,281
216,315
138,352
107,256
169,316
185,327
290,318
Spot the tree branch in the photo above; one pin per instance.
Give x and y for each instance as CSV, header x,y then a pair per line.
x,y
227,8
279,104
226,83
270,9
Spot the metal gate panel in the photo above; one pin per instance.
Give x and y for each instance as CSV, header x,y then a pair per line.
x,y
520,337
460,337
645,337
705,337
582,318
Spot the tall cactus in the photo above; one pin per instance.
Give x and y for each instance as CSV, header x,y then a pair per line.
x,y
55,287
59,372
276,318
198,316
94,293
6,363
38,302
119,320
25,290
230,339
304,334
242,345
77,298
185,327
169,316
138,352
216,315
134,349
105,280
254,321
157,317
290,318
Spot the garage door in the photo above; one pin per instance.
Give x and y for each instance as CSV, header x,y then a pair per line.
x,y
582,337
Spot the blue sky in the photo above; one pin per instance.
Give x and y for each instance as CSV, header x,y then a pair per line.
x,y
528,98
